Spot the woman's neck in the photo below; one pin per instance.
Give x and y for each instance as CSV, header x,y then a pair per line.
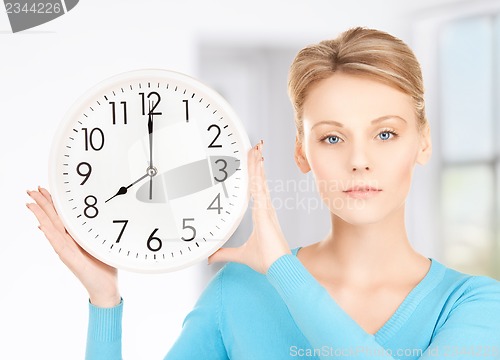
x,y
369,254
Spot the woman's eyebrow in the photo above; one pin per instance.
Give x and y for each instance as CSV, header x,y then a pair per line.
x,y
373,122
336,123
387,117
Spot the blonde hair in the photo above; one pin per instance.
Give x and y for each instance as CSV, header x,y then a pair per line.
x,y
358,51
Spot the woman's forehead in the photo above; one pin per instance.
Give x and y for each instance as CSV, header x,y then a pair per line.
x,y
345,99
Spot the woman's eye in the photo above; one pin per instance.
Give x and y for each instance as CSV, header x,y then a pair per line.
x,y
333,139
385,135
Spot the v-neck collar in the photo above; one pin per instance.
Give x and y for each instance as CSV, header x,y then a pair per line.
x,y
405,310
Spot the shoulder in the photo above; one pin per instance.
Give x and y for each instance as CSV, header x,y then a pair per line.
x,y
235,277
467,307
466,288
483,289
239,280
240,273
470,282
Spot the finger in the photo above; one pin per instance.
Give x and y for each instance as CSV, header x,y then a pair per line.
x,y
259,188
254,160
40,214
260,172
48,208
225,255
55,237
46,195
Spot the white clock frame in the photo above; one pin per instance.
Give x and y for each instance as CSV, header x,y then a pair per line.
x,y
203,112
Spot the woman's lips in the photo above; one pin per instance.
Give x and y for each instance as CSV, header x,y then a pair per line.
x,y
361,192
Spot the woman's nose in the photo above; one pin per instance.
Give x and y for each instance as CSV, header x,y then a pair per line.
x,y
360,158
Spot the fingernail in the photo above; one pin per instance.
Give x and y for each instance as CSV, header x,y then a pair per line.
x,y
262,141
28,205
28,192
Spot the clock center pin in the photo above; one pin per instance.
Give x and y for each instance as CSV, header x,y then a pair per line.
x,y
152,171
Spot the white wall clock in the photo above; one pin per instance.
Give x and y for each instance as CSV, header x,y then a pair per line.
x,y
148,171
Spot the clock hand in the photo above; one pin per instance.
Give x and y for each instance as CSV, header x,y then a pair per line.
x,y
123,189
150,131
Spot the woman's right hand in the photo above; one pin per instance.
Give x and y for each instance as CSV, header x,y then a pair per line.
x,y
100,280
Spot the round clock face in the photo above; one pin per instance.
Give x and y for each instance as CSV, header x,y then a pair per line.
x,y
148,171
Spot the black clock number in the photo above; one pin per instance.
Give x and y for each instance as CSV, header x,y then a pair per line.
x,y
91,210
187,109
86,173
153,240
153,94
113,109
125,222
184,226
218,133
218,207
223,169
94,138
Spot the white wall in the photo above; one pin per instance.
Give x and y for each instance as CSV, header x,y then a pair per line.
x,y
43,309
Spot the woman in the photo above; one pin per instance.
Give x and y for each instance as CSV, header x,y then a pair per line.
x,y
362,291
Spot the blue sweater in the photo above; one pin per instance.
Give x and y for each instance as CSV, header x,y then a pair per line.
x,y
287,314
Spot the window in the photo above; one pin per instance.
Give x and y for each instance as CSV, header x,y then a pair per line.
x,y
469,117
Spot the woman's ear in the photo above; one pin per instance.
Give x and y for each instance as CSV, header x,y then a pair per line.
x,y
299,156
425,151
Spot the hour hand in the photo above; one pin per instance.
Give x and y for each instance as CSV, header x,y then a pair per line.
x,y
123,190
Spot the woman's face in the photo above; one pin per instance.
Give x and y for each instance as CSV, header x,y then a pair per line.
x,y
361,142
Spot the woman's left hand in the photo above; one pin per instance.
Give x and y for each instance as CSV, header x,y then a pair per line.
x,y
266,242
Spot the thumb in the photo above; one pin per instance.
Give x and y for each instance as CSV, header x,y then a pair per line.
x,y
225,254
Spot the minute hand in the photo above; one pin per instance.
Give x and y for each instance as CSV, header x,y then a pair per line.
x,y
150,131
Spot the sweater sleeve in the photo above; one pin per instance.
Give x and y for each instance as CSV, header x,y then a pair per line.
x,y
324,323
201,336
104,335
